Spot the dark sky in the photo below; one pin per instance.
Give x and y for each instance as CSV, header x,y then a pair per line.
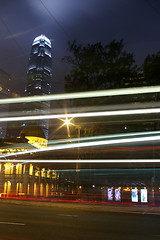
x,y
87,21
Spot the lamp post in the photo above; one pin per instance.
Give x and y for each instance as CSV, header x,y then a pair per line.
x,y
79,135
67,123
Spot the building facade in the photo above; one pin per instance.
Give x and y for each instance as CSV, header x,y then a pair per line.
x,y
29,179
26,180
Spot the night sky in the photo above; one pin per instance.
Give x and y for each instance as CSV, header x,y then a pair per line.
x,y
87,21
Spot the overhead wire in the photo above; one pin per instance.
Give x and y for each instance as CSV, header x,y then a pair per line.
x,y
152,6
14,39
55,19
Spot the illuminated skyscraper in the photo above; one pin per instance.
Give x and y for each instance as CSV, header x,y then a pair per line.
x,y
40,64
39,77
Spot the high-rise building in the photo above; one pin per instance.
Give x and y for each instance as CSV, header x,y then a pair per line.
x,y
39,77
40,67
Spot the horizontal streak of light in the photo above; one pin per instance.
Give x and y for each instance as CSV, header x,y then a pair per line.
x,y
103,137
87,161
90,94
13,223
101,108
86,144
82,115
70,140
108,170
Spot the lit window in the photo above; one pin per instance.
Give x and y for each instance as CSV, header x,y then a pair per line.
x,y
35,51
32,67
47,69
54,175
40,54
48,44
35,189
30,169
35,42
43,173
38,86
47,189
48,174
37,172
24,169
19,169
19,188
7,187
47,52
41,44
8,168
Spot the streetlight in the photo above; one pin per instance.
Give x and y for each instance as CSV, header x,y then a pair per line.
x,y
67,123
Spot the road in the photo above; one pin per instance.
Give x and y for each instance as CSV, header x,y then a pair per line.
x,y
25,222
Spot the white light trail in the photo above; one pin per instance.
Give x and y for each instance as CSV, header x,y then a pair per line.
x,y
86,144
103,137
78,95
83,115
106,137
101,108
85,161
13,223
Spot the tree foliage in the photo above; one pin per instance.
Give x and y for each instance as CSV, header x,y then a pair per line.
x,y
151,69
95,66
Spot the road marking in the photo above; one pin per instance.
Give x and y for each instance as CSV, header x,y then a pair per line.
x,y
143,213
13,223
67,215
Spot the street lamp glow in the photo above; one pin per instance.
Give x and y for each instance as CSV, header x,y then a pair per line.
x,y
67,122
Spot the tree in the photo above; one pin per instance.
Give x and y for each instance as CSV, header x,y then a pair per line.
x,y
96,67
151,69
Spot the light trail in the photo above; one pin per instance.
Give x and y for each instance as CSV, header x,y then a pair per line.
x,y
86,144
80,95
103,137
71,140
83,115
13,223
85,161
101,108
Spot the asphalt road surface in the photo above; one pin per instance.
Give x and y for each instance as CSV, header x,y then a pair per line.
x,y
20,222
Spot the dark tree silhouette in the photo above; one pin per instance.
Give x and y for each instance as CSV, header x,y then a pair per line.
x,y
96,67
151,69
